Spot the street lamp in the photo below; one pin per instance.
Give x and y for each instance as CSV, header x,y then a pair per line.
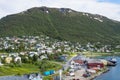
x,y
60,73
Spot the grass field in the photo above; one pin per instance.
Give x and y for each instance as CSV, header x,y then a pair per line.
x,y
24,69
27,68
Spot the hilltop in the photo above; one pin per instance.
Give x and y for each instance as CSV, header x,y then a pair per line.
x,y
63,24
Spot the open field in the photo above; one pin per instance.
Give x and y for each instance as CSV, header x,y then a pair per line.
x,y
27,68
23,69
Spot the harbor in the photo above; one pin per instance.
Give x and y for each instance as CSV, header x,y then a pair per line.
x,y
112,74
83,68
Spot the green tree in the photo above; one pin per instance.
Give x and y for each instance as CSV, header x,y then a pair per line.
x,y
35,58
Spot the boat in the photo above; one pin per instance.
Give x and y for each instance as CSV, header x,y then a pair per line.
x,y
109,63
113,60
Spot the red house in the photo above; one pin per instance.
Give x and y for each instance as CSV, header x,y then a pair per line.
x,y
95,63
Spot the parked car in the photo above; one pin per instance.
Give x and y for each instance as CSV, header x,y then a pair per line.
x,y
72,74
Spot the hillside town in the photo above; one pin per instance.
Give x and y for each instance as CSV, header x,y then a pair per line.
x,y
43,45
14,51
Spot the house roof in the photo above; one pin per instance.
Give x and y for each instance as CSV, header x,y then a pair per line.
x,y
79,61
94,61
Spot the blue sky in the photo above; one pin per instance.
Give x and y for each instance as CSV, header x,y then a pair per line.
x,y
111,1
108,8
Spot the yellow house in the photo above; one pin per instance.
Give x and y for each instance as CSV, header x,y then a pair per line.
x,y
8,59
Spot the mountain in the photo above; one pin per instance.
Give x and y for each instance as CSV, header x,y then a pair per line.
x,y
61,23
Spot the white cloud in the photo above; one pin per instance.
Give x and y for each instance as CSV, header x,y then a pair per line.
x,y
92,6
14,6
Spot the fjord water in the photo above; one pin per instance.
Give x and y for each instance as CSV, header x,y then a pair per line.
x,y
113,74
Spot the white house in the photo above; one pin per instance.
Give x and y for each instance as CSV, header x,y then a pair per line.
x,y
33,53
22,53
17,59
49,50
43,57
13,54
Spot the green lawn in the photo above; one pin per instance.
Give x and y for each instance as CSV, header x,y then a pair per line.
x,y
11,69
24,69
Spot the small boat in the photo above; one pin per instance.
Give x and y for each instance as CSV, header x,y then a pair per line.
x,y
113,60
109,63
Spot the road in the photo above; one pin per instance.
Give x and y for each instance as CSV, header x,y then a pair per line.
x,y
67,64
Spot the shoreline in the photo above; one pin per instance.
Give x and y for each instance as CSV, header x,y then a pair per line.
x,y
98,74
80,72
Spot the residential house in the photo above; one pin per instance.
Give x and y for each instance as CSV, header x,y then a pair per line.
x,y
13,54
3,56
31,54
43,57
77,62
8,60
17,59
49,50
23,53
